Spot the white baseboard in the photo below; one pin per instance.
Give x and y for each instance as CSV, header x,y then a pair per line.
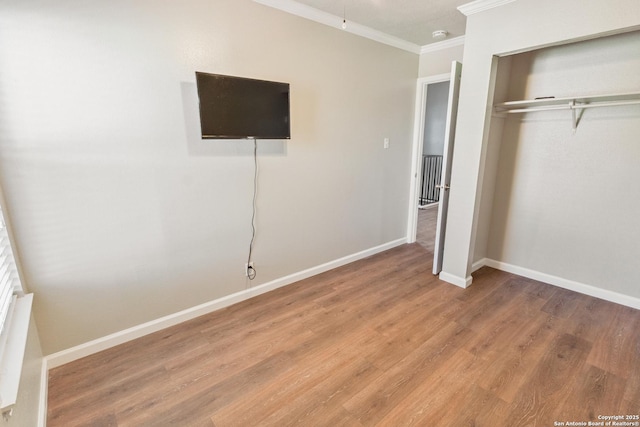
x,y
74,353
455,280
478,264
571,285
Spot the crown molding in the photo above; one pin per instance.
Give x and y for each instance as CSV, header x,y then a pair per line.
x,y
445,44
481,5
334,21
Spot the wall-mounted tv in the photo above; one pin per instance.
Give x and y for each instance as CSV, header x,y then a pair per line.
x,y
240,108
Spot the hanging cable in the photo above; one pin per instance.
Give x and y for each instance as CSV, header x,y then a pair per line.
x,y
344,17
251,272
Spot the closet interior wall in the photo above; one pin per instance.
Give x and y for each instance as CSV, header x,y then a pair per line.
x,y
557,202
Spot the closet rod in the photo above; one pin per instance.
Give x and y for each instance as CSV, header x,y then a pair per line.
x,y
606,104
569,106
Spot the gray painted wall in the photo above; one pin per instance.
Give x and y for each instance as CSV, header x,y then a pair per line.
x,y
123,215
435,118
439,61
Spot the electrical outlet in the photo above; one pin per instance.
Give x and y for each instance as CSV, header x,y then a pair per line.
x,y
386,143
247,268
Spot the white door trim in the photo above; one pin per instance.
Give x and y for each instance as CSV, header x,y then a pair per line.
x,y
416,157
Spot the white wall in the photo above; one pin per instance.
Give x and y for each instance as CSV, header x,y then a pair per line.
x,y
514,27
123,215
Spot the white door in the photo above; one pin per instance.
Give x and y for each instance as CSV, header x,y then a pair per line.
x,y
449,136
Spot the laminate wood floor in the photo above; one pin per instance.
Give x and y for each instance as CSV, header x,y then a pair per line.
x,y
426,233
380,342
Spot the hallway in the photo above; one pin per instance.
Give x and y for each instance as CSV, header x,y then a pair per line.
x,y
427,227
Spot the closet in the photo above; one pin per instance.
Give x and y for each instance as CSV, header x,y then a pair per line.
x,y
561,190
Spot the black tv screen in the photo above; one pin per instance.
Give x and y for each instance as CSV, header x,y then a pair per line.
x,y
240,108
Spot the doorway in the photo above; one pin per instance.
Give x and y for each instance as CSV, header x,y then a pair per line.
x,y
434,131
433,135
434,127
424,203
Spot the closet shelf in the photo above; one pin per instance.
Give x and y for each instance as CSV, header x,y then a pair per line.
x,y
568,103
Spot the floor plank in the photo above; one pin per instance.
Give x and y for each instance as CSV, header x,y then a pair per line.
x,y
549,384
426,232
593,393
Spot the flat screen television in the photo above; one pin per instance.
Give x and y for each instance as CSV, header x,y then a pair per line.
x,y
240,108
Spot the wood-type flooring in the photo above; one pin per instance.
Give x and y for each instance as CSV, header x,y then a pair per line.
x,y
426,232
379,342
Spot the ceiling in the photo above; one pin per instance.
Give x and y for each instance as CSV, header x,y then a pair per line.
x,y
411,21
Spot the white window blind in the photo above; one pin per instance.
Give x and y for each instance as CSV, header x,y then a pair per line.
x,y
10,285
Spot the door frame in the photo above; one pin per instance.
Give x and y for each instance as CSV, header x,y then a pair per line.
x,y
418,143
